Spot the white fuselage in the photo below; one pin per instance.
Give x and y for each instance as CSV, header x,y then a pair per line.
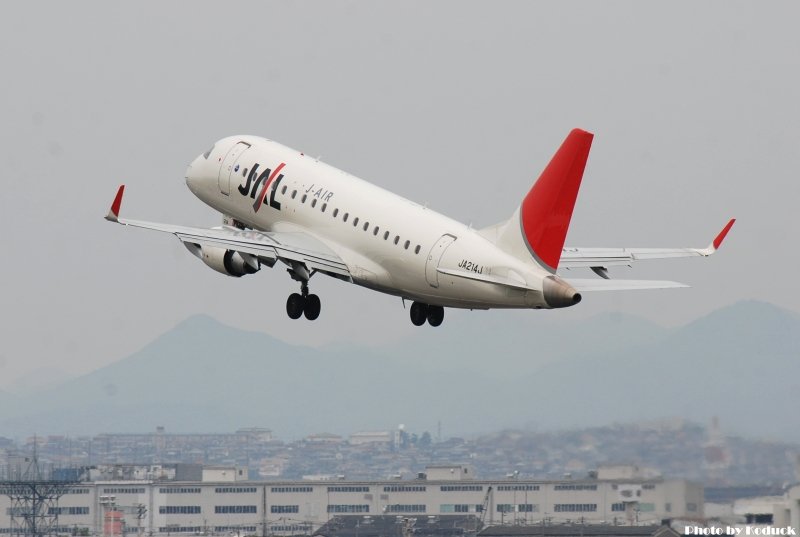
x,y
389,243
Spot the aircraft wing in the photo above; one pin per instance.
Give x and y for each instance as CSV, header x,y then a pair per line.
x,y
267,246
599,258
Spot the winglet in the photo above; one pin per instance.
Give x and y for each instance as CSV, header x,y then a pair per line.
x,y
113,213
717,242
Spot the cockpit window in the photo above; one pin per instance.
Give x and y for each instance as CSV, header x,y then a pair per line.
x,y
207,153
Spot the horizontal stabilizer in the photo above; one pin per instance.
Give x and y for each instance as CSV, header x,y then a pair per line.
x,y
597,284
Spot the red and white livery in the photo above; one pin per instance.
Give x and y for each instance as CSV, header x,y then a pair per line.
x,y
279,205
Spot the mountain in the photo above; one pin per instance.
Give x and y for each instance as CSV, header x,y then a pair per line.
x,y
204,376
741,363
485,372
503,344
40,379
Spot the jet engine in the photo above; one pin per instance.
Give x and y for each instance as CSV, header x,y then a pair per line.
x,y
228,262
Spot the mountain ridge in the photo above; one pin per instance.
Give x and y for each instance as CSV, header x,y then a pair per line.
x,y
205,376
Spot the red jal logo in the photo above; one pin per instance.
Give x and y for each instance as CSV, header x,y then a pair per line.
x,y
269,178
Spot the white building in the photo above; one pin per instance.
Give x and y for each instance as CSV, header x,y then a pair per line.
x,y
759,512
787,511
224,473
262,508
370,437
449,472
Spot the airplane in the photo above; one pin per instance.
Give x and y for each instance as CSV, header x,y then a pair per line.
x,y
279,204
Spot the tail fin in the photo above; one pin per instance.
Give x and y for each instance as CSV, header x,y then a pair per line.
x,y
539,226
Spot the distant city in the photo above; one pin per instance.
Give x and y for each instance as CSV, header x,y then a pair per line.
x,y
676,448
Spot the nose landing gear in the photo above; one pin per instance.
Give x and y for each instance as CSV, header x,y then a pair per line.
x,y
302,303
421,312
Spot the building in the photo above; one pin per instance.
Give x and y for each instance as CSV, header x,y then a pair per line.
x,y
449,472
579,530
779,512
756,513
371,437
400,526
222,503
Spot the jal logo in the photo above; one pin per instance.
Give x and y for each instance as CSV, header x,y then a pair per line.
x,y
270,179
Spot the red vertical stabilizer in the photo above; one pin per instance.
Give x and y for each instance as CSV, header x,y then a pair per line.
x,y
547,209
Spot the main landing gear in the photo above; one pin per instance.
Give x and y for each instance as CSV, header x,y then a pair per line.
x,y
297,305
423,312
302,303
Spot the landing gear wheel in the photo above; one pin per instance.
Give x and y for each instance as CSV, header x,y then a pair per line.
x,y
435,315
312,307
295,305
419,312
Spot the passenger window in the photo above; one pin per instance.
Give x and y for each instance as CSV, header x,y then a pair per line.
x,y
416,250
314,202
294,193
386,235
375,231
304,198
335,213
324,206
366,226
345,216
407,244
355,222
244,172
396,239
283,190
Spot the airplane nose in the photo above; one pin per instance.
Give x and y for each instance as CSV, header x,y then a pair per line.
x,y
192,173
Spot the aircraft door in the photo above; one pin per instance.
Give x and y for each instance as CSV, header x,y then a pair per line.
x,y
228,165
435,256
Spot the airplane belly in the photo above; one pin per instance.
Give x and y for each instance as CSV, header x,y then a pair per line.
x,y
472,274
411,280
462,293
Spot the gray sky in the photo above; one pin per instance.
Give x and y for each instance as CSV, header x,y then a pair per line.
x,y
457,104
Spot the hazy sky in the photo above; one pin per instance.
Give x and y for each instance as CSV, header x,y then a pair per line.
x,y
694,105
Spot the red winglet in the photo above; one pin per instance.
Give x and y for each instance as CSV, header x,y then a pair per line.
x,y
113,213
547,209
718,241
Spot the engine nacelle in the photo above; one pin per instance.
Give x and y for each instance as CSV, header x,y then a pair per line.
x,y
228,262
